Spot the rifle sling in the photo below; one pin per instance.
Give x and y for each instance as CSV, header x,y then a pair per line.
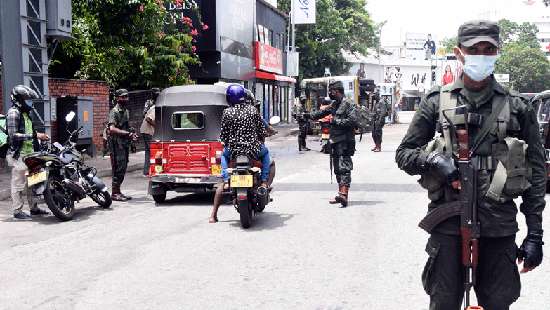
x,y
488,125
440,214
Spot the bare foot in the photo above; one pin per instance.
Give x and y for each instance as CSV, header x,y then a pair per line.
x,y
213,220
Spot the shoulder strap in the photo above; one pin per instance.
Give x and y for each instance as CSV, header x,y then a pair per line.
x,y
500,114
447,101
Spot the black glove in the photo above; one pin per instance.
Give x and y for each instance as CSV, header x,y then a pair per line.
x,y
530,250
443,166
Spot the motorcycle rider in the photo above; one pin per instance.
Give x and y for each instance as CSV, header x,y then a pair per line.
x,y
242,133
23,141
342,138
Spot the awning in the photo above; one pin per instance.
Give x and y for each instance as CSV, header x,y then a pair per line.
x,y
274,77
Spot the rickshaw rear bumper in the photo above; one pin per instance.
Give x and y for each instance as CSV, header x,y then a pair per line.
x,y
159,184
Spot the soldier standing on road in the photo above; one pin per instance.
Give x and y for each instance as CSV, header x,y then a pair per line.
x,y
23,140
498,282
342,138
301,116
147,128
378,121
121,138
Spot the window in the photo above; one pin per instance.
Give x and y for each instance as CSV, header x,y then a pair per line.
x,y
187,120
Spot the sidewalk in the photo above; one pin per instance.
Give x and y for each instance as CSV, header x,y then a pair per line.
x,y
103,165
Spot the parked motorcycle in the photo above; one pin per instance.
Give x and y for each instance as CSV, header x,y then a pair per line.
x,y
59,173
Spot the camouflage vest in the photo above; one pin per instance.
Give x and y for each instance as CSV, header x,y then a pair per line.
x,y
500,159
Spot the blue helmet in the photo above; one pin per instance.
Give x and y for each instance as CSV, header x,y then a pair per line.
x,y
235,94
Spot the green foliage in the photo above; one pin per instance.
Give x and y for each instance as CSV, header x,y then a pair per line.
x,y
448,44
341,24
522,58
128,43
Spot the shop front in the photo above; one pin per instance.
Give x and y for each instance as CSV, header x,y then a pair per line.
x,y
274,90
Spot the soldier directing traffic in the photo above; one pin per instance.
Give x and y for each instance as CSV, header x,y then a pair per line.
x,y
342,138
121,137
507,161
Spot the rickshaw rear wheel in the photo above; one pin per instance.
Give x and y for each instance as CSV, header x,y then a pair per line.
x,y
159,198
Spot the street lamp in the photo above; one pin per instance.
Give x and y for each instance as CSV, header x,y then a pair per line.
x,y
379,50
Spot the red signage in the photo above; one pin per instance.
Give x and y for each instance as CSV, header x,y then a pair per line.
x,y
268,58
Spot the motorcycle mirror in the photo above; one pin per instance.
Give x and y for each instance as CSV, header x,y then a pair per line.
x,y
69,117
274,120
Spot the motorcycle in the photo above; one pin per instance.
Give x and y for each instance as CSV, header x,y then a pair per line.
x,y
248,196
59,174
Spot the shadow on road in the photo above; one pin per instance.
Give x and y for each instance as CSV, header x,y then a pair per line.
x,y
370,187
80,214
362,203
202,199
266,221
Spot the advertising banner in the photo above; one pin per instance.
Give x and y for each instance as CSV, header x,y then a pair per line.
x,y
268,58
303,12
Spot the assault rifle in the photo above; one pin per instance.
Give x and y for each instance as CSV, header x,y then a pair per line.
x,y
466,206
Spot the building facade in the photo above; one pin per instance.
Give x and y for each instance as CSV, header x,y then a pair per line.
x,y
246,43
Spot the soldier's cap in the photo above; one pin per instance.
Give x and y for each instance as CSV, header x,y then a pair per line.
x,y
338,85
476,31
121,92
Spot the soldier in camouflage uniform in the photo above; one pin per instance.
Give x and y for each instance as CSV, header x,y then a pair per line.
x,y
342,138
121,138
378,121
498,281
301,116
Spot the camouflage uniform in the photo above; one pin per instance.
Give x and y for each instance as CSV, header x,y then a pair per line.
x,y
498,284
378,122
342,140
119,145
299,113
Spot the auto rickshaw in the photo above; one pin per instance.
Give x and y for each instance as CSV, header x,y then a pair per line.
x,y
541,104
185,149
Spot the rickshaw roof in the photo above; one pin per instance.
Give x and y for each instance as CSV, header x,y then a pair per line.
x,y
541,96
192,95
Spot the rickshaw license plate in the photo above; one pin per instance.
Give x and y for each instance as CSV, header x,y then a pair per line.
x,y
325,136
241,181
36,178
216,169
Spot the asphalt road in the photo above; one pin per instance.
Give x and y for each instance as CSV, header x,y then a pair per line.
x,y
301,253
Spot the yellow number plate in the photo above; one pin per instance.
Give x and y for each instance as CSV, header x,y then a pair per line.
x,y
325,136
241,181
36,178
216,169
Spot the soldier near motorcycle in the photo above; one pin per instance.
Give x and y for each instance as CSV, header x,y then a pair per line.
x,y
23,140
508,161
380,111
342,138
300,114
120,140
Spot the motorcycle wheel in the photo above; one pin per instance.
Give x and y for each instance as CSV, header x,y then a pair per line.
x,y
103,199
245,213
57,200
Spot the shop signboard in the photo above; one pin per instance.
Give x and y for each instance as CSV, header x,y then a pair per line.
x,y
268,58
303,12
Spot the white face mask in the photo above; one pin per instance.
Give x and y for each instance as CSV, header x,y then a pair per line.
x,y
479,67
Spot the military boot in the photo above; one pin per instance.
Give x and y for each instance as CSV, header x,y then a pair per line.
x,y
378,148
342,197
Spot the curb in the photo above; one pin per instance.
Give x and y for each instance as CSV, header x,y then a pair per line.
x,y
5,194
